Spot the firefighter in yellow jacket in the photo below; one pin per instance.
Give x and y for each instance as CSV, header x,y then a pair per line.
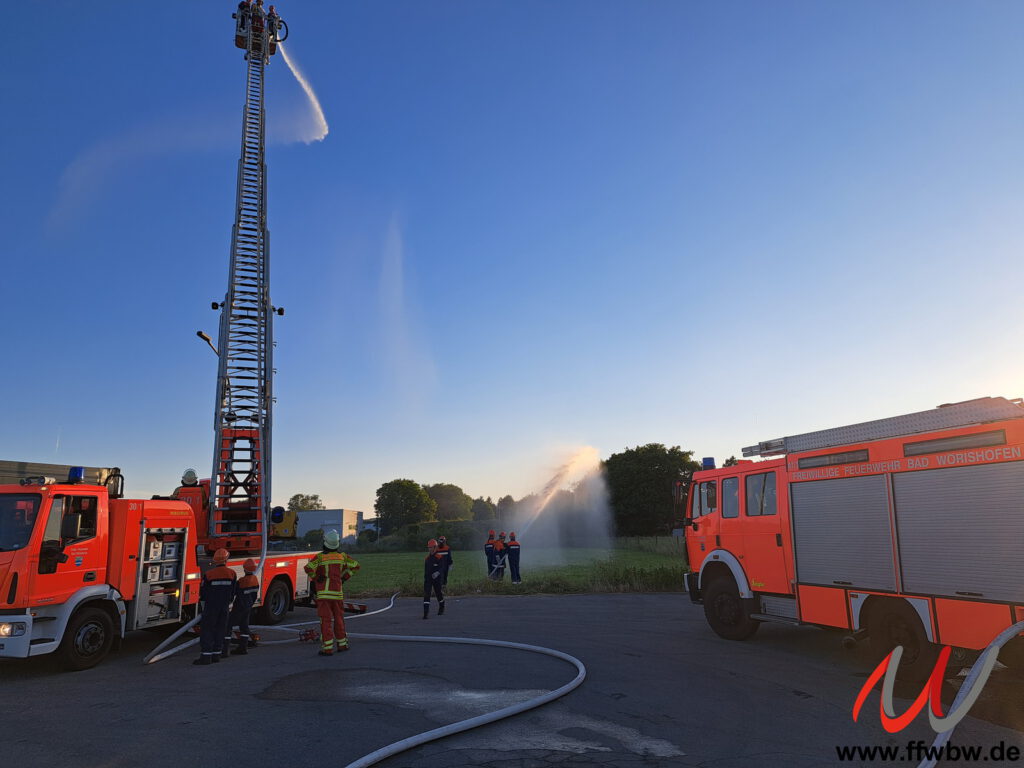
x,y
328,571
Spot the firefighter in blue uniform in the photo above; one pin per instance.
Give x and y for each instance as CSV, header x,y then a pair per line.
x,y
512,548
216,593
248,593
433,566
448,561
489,552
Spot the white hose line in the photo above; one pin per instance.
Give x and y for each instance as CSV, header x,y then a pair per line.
x,y
387,607
982,666
437,733
291,627
473,722
155,654
168,654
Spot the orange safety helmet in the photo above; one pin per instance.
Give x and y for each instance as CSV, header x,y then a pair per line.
x,y
501,535
432,543
220,556
249,566
491,534
512,535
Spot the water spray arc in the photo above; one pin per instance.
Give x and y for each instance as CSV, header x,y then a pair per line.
x,y
570,511
584,462
322,128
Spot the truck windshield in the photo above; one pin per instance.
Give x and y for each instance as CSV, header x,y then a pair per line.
x,y
18,513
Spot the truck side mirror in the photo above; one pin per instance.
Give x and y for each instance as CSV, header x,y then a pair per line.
x,y
70,526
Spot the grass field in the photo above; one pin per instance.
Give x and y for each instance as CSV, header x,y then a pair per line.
x,y
581,570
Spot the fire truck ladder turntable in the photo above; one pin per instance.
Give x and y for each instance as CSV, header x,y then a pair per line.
x,y
979,411
240,485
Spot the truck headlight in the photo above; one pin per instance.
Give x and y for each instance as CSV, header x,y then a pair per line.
x,y
13,629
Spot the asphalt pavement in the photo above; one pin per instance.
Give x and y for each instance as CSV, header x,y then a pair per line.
x,y
661,690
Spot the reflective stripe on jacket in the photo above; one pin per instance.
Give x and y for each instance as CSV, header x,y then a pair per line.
x,y
248,590
329,570
446,558
218,587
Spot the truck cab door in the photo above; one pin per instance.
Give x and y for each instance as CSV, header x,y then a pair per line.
x,y
73,550
730,527
764,545
704,514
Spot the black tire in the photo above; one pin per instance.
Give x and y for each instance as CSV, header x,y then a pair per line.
x,y
276,603
87,639
728,613
893,622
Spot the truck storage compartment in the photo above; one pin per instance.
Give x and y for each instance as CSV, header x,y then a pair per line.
x,y
842,533
158,593
959,528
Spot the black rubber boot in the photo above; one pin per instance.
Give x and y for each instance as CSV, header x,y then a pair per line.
x,y
426,611
203,660
440,609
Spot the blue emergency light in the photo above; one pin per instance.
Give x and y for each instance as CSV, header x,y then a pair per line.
x,y
708,462
76,475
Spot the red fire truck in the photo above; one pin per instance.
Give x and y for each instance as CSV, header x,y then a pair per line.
x,y
80,566
905,531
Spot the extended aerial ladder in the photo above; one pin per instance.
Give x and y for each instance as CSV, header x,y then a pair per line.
x,y
240,480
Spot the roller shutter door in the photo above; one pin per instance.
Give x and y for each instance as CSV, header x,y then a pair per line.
x,y
961,529
842,532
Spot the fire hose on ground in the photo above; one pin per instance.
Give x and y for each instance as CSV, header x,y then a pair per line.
x,y
427,736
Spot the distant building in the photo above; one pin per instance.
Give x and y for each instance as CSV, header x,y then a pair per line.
x,y
349,523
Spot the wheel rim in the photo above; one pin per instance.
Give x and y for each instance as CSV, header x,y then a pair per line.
x,y
277,603
90,638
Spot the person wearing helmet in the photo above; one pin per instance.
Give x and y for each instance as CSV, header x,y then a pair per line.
x,y
447,562
328,571
513,557
489,552
216,593
248,592
500,555
241,17
433,567
258,15
272,23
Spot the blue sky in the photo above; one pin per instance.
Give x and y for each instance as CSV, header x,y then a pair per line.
x,y
532,226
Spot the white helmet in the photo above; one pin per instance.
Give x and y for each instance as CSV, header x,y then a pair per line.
x,y
332,540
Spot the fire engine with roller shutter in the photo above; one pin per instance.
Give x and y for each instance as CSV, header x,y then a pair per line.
x,y
902,531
